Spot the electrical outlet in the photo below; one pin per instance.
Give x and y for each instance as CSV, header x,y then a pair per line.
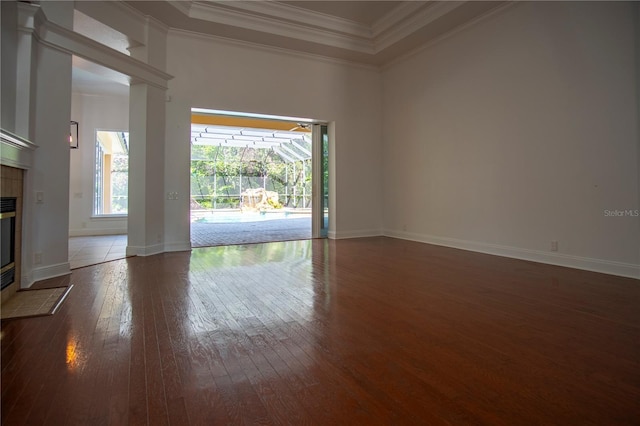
x,y
37,258
554,245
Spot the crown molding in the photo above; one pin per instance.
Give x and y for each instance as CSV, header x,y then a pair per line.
x,y
295,28
413,22
506,5
298,23
16,151
183,6
395,16
272,49
157,25
215,13
301,16
26,13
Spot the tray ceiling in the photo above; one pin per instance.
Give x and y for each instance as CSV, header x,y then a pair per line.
x,y
368,32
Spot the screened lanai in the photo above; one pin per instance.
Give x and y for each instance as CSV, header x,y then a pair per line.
x,y
249,184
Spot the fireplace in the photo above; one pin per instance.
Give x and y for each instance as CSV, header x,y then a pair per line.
x,y
16,158
8,241
11,203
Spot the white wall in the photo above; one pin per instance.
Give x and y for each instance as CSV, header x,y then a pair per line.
x,y
220,75
517,131
93,112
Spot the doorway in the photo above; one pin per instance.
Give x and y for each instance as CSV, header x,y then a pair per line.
x,y
256,178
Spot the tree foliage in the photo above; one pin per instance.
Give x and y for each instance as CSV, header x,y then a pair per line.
x,y
219,175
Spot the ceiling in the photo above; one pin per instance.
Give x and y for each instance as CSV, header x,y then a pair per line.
x,y
368,32
363,12
361,31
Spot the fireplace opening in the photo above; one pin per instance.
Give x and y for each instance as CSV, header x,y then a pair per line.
x,y
8,241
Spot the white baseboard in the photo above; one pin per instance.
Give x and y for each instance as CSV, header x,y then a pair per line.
x,y
86,232
177,246
629,270
145,250
45,272
354,234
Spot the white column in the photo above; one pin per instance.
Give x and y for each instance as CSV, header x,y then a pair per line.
x,y
147,115
9,28
24,69
50,106
145,223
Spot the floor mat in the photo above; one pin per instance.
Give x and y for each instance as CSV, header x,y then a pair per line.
x,y
33,303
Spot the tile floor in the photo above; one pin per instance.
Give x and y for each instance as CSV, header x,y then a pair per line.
x,y
264,231
85,251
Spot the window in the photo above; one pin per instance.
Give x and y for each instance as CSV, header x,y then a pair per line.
x,y
112,173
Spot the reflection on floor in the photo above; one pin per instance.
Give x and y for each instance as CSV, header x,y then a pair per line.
x,y
85,251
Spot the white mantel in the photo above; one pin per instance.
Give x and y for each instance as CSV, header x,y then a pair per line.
x,y
16,151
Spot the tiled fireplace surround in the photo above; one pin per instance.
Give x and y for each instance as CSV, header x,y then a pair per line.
x,y
15,161
11,181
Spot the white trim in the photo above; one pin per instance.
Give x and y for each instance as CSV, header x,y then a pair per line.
x,y
16,151
303,16
60,38
215,13
304,24
145,251
395,16
272,49
585,263
183,6
115,217
156,25
16,141
46,272
419,19
360,233
26,13
450,33
88,232
177,246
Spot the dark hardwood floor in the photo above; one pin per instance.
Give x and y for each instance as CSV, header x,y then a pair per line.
x,y
365,331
